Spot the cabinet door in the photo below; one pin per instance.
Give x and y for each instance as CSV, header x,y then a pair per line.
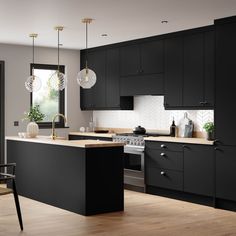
x,y
209,69
173,72
152,57
193,69
199,169
97,62
225,172
112,78
225,113
130,60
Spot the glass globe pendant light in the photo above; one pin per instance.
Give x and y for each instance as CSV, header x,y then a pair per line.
x,y
33,83
86,78
58,80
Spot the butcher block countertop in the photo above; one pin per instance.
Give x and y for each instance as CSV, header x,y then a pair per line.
x,y
180,140
93,134
71,143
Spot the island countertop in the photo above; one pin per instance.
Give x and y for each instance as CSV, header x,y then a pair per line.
x,y
72,143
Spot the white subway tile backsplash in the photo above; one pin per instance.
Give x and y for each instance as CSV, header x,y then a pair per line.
x,y
150,113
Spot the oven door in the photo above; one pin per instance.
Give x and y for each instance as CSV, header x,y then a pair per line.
x,y
134,166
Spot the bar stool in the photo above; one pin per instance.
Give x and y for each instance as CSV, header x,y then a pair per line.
x,y
6,177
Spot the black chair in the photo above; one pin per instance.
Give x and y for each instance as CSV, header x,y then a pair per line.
x,y
6,177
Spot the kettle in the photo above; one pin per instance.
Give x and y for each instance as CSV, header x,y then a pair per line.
x,y
139,130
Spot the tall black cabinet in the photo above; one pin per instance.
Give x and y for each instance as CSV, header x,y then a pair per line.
x,y
225,114
2,111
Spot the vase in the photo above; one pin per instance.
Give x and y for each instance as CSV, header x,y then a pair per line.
x,y
210,136
32,129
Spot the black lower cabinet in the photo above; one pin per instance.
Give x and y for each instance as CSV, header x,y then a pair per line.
x,y
199,169
226,172
168,179
164,165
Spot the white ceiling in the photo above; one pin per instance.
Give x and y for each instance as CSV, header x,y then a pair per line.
x,y
122,20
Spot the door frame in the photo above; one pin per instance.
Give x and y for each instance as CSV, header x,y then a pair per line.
x,y
2,111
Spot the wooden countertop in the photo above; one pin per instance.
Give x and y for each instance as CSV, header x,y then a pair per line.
x,y
71,143
180,140
93,134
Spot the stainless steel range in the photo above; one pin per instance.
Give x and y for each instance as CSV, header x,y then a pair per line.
x,y
133,160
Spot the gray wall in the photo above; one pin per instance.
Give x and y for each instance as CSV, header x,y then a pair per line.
x,y
17,99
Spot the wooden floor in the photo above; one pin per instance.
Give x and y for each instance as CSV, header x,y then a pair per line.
x,y
144,215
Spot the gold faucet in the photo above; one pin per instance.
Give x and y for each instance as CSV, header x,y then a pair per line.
x,y
53,124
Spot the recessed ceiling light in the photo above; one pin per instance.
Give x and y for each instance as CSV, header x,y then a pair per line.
x,y
164,21
104,35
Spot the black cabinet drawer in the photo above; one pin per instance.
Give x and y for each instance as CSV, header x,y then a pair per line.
x,y
164,159
84,137
175,147
164,178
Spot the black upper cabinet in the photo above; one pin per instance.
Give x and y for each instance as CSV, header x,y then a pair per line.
x,y
141,68
174,72
97,62
193,70
189,71
130,60
199,169
105,94
225,114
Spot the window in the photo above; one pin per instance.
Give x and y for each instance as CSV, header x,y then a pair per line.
x,y
50,100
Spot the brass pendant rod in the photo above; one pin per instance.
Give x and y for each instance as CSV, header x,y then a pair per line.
x,y
58,51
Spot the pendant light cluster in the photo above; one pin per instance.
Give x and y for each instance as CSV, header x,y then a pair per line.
x,y
33,83
86,78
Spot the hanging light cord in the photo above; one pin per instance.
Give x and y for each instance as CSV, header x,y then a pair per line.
x,y
86,35
58,51
33,57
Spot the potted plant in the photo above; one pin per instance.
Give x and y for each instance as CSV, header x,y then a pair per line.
x,y
34,115
209,128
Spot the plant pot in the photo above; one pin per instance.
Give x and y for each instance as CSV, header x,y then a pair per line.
x,y
210,136
32,129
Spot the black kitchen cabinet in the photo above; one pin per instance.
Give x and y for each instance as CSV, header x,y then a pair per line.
x,y
199,169
95,97
105,94
225,114
225,172
174,72
189,70
141,68
164,165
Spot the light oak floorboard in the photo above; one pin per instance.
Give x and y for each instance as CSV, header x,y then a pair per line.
x,y
144,215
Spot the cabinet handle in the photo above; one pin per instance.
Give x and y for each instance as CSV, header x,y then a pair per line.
x,y
216,148
141,71
186,146
163,173
203,103
163,146
216,141
163,154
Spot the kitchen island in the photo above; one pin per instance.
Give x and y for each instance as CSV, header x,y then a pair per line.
x,y
82,176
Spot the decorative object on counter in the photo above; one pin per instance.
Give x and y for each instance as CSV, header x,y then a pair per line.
x,y
86,78
209,128
33,83
82,129
184,127
58,80
34,115
139,130
173,129
188,131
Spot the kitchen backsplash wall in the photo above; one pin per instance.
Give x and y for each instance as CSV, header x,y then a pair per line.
x,y
150,113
